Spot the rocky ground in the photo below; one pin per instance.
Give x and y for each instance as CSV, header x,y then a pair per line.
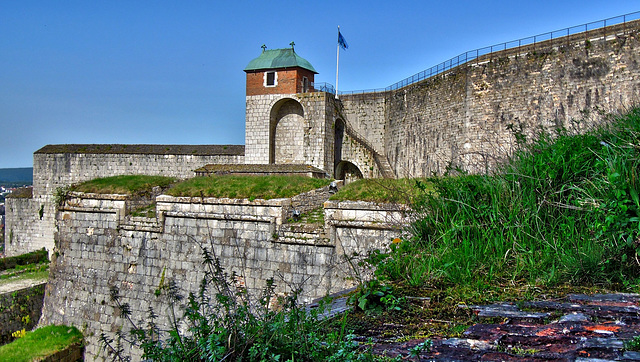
x,y
576,328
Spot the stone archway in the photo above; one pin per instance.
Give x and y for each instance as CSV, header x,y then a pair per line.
x,y
348,172
286,132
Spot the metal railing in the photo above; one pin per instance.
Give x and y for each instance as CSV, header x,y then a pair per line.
x,y
322,87
477,53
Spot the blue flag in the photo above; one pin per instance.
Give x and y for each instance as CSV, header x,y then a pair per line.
x,y
343,43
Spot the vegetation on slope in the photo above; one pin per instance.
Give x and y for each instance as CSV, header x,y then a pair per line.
x,y
251,187
381,190
564,210
40,343
126,184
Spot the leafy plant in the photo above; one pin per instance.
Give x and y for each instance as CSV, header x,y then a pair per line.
x,y
633,344
375,296
424,346
225,323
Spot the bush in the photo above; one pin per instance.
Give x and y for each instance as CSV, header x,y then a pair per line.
x,y
33,257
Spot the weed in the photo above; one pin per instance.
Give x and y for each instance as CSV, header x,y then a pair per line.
x,y
375,296
145,211
633,344
421,347
225,323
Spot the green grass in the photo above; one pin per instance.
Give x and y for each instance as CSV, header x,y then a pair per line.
x,y
40,343
565,210
315,216
38,256
251,187
22,269
39,275
145,211
127,184
383,190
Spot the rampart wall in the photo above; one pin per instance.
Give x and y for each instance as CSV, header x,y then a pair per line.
x,y
99,247
468,117
30,221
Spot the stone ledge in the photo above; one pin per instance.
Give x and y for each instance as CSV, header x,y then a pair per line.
x,y
89,195
185,150
365,205
233,217
355,224
221,201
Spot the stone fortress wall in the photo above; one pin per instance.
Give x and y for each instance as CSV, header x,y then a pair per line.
x,y
30,222
100,247
463,116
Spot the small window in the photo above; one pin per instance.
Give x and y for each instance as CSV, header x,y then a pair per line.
x,y
270,79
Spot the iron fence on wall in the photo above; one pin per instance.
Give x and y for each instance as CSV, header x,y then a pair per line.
x,y
474,55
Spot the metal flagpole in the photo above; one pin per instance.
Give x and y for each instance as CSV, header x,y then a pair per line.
x,y
337,62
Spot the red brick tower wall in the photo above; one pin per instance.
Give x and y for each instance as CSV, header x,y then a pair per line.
x,y
289,81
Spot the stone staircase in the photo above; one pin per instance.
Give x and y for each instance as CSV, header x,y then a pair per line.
x,y
141,223
303,234
381,160
383,164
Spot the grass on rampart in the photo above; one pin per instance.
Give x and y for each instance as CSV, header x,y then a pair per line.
x,y
40,343
250,187
34,257
402,191
127,184
565,210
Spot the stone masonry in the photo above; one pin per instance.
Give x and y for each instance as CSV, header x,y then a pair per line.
x,y
100,247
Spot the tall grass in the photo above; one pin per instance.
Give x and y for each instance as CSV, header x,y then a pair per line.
x,y
564,210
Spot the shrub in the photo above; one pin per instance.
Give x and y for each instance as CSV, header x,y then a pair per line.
x,y
33,257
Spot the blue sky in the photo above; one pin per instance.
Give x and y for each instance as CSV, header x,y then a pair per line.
x,y
170,72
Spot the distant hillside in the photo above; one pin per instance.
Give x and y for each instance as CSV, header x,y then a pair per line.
x,y
13,175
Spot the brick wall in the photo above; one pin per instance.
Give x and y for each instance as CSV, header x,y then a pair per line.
x,y
289,81
31,221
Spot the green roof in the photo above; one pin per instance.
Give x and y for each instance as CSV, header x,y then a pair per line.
x,y
279,58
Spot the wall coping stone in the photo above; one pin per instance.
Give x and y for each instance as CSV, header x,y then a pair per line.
x,y
222,201
194,150
365,205
90,195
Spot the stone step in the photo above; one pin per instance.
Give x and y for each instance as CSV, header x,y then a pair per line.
x,y
385,167
139,223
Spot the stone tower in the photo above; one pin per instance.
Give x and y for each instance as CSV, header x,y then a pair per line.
x,y
287,120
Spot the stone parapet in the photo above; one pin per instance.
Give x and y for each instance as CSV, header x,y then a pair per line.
x,y
99,249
